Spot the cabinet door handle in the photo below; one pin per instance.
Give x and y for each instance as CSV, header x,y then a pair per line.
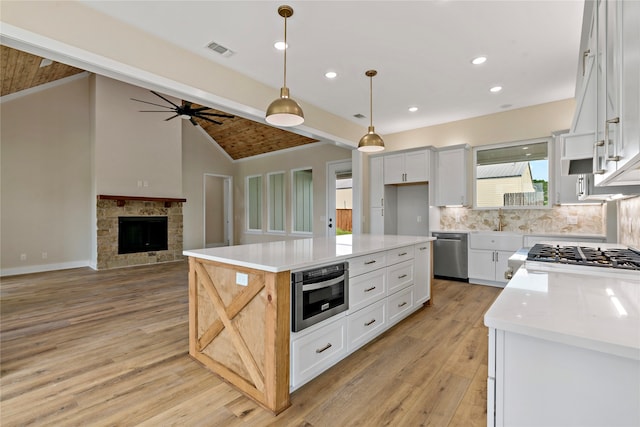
x,y
402,304
370,262
614,157
497,257
370,322
585,55
402,254
580,186
402,276
493,257
382,201
326,347
370,289
596,159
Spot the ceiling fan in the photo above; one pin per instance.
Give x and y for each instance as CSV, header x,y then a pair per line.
x,y
184,111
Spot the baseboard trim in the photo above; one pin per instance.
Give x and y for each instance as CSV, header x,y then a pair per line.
x,y
43,267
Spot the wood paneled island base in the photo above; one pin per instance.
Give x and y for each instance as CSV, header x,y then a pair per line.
x,y
241,333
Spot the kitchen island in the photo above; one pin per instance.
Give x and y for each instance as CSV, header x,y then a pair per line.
x,y
240,304
564,348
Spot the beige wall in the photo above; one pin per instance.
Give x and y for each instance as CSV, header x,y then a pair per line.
x,y
314,157
199,157
513,125
46,179
133,147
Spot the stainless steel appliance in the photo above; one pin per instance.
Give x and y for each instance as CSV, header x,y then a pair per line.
x,y
318,293
450,255
605,256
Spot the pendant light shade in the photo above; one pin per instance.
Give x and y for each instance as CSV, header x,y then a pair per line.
x,y
284,111
371,141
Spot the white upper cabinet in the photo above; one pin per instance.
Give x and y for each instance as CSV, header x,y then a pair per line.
x,y
452,177
411,166
618,100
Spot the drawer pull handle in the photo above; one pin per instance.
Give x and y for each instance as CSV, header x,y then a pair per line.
x,y
402,276
423,248
402,254
370,289
402,304
370,322
370,262
326,347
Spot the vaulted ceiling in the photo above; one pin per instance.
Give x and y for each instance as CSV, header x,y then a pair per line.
x,y
238,137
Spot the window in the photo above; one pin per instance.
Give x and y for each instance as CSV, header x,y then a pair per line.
x,y
276,210
512,175
254,203
302,200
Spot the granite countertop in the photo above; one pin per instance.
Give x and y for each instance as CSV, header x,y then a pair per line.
x,y
301,253
598,309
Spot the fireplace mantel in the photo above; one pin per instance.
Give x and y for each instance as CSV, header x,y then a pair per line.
x,y
120,200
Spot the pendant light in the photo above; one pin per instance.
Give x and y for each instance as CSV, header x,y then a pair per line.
x,y
371,142
284,111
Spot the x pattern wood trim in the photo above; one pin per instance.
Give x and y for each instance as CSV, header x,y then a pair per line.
x,y
236,337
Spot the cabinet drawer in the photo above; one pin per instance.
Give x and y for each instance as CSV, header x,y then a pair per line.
x,y
366,324
366,289
399,276
317,351
366,263
399,305
395,256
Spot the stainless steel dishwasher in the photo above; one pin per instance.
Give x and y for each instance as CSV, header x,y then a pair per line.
x,y
450,255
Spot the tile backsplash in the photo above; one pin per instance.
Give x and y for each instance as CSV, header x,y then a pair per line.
x,y
589,219
629,222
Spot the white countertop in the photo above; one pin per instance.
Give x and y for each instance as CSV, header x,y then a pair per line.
x,y
301,253
598,310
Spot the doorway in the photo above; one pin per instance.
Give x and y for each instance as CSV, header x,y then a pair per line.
x,y
218,210
339,198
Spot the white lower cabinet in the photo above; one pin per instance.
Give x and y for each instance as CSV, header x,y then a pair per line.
x,y
316,351
366,324
382,292
488,267
400,305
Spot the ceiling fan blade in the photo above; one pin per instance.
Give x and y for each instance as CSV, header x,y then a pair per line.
x,y
160,96
217,115
172,117
147,102
197,110
153,111
207,119
193,122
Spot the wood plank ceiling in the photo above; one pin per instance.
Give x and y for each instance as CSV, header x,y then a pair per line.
x,y
238,137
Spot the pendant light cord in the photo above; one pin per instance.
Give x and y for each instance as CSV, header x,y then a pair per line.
x,y
371,99
285,51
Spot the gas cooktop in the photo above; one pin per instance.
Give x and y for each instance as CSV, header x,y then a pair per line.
x,y
619,258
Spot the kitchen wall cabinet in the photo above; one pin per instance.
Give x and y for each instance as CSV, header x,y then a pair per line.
x,y
407,167
453,172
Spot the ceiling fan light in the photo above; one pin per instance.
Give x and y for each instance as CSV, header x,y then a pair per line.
x,y
185,116
371,142
284,111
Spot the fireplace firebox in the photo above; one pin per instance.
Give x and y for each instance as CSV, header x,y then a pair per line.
x,y
142,234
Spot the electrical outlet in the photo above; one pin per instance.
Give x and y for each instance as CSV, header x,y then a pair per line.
x,y
242,279
419,218
23,257
145,183
572,219
139,183
44,255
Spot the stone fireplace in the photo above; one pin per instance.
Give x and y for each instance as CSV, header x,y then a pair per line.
x,y
110,208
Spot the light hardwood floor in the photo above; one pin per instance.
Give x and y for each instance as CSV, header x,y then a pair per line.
x,y
82,347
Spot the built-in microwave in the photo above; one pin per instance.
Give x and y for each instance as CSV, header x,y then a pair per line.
x,y
318,293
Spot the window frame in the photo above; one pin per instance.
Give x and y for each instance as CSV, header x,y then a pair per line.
x,y
550,169
282,204
294,201
248,204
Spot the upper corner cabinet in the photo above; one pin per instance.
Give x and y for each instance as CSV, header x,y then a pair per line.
x,y
453,172
407,167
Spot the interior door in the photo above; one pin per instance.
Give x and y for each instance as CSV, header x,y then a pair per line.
x,y
218,218
339,198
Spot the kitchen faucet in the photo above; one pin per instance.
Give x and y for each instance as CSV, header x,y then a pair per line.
x,y
500,218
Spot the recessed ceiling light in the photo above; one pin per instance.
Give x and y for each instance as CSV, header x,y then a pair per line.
x,y
280,45
525,148
495,89
331,74
479,60
413,109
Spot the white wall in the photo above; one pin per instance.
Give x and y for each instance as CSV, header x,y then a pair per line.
x,y
46,179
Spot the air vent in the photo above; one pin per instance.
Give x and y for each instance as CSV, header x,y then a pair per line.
x,y
220,49
359,116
